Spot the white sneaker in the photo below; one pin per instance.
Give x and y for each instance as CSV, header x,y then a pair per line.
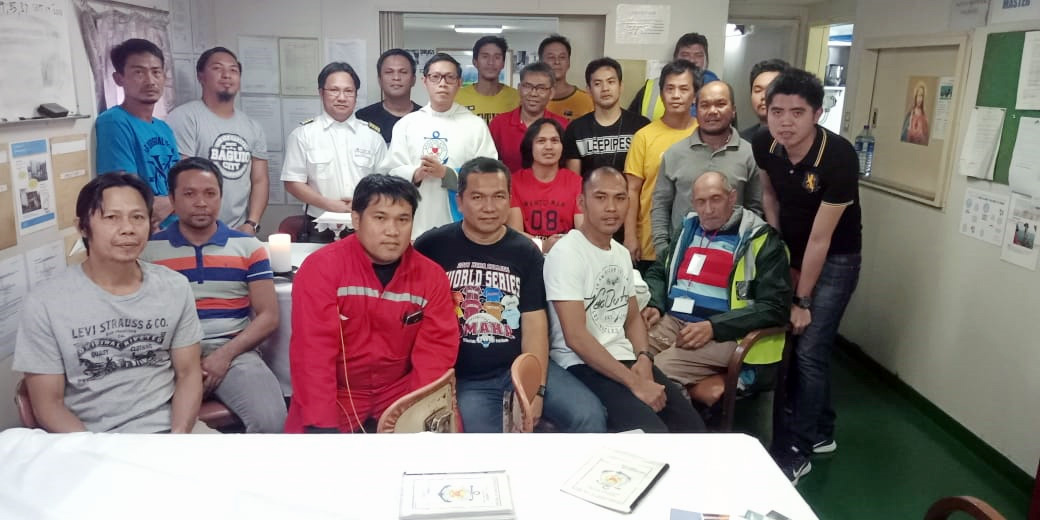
x,y
825,446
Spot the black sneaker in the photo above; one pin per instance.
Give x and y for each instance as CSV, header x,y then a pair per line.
x,y
793,463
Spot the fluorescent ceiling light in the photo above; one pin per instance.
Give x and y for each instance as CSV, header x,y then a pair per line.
x,y
478,29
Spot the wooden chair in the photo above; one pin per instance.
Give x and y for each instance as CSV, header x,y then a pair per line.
x,y
978,509
213,413
711,389
432,408
527,377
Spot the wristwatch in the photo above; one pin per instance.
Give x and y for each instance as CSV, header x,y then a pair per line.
x,y
803,301
649,355
541,391
256,227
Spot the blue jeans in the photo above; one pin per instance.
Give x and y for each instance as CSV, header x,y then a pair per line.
x,y
813,417
568,404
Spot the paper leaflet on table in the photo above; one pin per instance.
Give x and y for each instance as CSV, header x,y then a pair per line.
x,y
477,494
1020,233
682,514
979,153
1024,171
984,215
614,479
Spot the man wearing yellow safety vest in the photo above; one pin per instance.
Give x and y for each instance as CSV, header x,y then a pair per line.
x,y
725,274
691,47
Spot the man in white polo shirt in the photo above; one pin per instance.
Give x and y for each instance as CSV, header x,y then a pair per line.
x,y
326,156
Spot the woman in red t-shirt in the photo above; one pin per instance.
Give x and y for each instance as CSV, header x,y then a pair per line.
x,y
544,201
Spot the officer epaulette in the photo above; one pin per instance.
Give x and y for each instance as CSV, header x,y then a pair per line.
x,y
306,121
374,126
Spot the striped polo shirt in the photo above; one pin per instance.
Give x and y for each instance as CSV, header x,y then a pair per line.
x,y
219,271
703,274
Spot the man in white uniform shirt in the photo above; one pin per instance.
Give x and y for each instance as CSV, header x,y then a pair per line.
x,y
326,156
430,145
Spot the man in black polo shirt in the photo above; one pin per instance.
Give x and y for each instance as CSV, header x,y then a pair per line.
x,y
396,71
811,195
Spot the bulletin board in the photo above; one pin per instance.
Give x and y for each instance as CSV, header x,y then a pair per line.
x,y
998,88
890,72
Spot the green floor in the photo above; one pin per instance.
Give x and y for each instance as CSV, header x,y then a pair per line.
x,y
892,461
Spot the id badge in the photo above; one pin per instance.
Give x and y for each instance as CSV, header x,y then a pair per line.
x,y
696,264
682,305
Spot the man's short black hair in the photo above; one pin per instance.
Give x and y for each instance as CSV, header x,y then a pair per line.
x,y
338,66
194,163
538,67
599,172
121,52
92,195
729,88
797,82
556,38
527,144
394,52
200,65
678,68
371,187
599,63
770,65
441,56
481,165
498,41
689,39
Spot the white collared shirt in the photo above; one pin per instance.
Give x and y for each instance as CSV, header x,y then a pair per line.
x,y
332,156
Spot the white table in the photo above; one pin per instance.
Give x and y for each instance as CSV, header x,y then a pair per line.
x,y
116,476
276,350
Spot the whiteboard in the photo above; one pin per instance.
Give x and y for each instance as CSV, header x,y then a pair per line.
x,y
35,56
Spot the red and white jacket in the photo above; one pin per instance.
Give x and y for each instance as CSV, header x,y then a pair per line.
x,y
336,295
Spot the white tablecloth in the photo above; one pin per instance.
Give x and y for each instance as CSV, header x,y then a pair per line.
x,y
276,350
112,476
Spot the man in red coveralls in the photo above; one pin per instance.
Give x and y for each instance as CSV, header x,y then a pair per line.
x,y
372,319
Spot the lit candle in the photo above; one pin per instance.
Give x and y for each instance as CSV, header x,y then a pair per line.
x,y
280,245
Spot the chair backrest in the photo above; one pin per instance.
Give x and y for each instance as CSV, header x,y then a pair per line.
x,y
527,377
432,408
978,509
293,225
25,411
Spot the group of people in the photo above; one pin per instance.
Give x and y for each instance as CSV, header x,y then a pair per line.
x,y
488,223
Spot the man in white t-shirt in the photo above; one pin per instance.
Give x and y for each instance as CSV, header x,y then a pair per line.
x,y
431,144
325,157
597,333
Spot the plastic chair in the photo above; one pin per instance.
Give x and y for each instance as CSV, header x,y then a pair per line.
x,y
432,408
978,509
213,413
711,389
293,225
527,377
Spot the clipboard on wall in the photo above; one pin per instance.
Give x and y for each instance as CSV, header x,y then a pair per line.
x,y
69,159
8,232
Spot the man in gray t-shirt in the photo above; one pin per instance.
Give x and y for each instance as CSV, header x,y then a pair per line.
x,y
112,345
212,128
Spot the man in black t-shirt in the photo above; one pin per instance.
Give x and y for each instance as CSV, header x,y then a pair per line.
x,y
396,72
811,195
495,275
602,137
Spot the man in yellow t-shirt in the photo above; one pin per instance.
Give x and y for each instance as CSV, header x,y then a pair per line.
x,y
488,97
568,100
679,84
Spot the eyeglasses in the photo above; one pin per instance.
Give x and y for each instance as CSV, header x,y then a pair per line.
x,y
336,92
448,78
538,89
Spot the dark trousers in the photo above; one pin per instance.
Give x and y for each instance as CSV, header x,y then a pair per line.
x,y
626,412
812,418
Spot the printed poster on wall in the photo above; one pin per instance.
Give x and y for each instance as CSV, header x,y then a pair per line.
x,y
921,93
1020,247
33,180
985,215
642,24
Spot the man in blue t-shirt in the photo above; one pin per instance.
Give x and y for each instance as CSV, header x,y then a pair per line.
x,y
496,280
129,139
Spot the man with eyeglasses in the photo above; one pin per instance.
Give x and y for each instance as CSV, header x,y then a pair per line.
x,y
489,97
325,157
507,130
431,144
